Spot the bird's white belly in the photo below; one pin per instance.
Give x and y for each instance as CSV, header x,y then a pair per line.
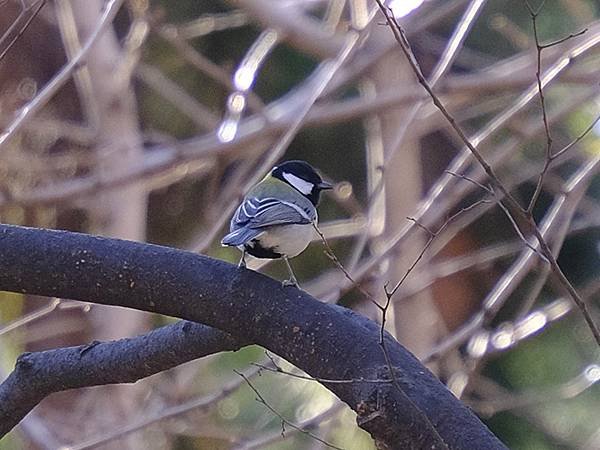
x,y
288,240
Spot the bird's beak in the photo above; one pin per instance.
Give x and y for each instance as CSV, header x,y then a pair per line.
x,y
324,185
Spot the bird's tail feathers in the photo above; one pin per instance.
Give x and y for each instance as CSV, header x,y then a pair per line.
x,y
240,237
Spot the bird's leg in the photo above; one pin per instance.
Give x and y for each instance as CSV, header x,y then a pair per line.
x,y
242,263
292,281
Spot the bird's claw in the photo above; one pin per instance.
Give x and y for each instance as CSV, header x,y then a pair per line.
x,y
292,283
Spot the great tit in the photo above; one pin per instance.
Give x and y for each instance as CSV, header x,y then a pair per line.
x,y
276,218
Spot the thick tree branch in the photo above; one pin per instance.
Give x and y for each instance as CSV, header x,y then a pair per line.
x,y
326,341
40,374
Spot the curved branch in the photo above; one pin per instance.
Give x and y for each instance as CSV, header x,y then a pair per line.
x,y
328,342
40,374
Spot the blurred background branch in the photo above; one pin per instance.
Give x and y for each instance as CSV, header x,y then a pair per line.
x,y
149,119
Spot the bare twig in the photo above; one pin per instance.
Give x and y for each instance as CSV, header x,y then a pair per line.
x,y
276,368
388,360
332,256
284,421
538,75
549,140
265,439
564,39
432,236
33,10
578,139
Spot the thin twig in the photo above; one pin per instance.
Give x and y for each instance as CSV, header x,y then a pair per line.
x,y
549,140
432,236
564,39
279,369
471,180
538,75
284,421
578,139
332,256
515,226
264,439
37,7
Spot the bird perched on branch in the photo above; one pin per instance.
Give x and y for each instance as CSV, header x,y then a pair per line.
x,y
277,217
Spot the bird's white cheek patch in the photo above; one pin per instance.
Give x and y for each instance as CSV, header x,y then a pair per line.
x,y
303,186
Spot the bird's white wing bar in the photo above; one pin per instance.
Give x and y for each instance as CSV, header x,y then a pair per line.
x,y
251,207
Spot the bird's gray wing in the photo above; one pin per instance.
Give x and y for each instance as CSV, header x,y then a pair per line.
x,y
265,212
254,214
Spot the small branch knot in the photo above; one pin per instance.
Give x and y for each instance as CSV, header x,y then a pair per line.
x,y
367,411
85,348
25,361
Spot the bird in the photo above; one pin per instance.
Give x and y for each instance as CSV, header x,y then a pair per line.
x,y
276,218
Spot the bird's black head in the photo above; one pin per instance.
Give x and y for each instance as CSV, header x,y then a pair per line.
x,y
302,177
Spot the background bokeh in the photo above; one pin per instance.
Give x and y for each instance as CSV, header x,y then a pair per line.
x,y
138,144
